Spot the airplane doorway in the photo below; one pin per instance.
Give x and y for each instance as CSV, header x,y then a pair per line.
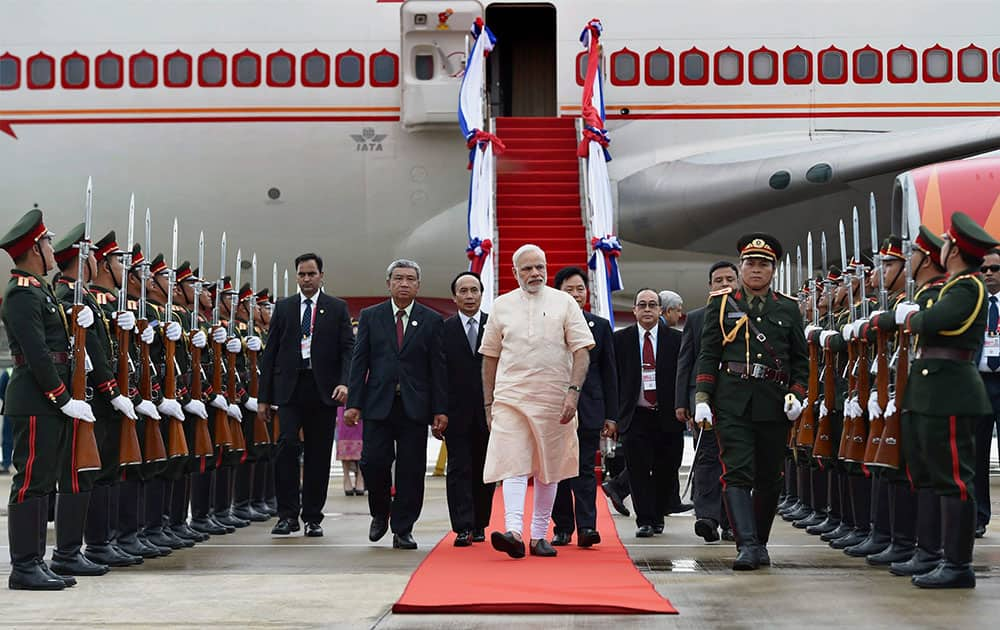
x,y
521,71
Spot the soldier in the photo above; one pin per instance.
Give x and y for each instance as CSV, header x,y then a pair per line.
x,y
264,493
244,473
945,395
109,405
752,374
37,401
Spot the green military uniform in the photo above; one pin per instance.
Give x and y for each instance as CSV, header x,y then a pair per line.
x,y
753,356
264,493
39,342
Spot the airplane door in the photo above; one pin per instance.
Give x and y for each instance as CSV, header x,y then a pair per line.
x,y
522,71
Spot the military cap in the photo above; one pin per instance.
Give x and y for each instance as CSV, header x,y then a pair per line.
x,y
929,243
264,297
866,263
25,233
227,285
137,257
66,247
246,292
969,236
158,266
107,246
184,272
833,274
892,247
759,245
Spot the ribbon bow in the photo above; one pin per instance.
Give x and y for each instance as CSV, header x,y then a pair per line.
x,y
595,28
611,248
479,138
600,136
477,251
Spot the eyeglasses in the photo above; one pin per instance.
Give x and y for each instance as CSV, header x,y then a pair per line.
x,y
647,305
990,268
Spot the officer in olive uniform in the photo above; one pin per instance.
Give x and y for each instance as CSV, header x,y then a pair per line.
x,y
945,395
264,494
38,401
251,456
751,381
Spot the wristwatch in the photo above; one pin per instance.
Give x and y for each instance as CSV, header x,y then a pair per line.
x,y
574,388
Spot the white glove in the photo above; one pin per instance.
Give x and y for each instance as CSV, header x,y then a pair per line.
x,y
78,410
823,411
199,340
173,331
826,336
848,331
148,409
219,335
124,406
170,407
890,407
793,408
810,330
125,320
859,325
219,402
197,408
234,345
234,412
147,335
703,413
851,408
85,318
903,311
874,409
251,404
253,344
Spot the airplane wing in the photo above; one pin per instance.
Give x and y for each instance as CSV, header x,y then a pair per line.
x,y
698,201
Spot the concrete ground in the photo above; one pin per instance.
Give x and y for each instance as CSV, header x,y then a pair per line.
x,y
250,580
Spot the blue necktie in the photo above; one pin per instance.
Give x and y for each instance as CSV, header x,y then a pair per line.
x,y
307,319
991,328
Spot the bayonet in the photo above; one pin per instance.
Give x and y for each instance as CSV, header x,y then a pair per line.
x,y
274,281
844,274
144,269
883,298
798,270
253,289
827,282
83,246
788,274
234,298
127,257
286,283
860,271
907,244
810,262
197,285
172,275
219,284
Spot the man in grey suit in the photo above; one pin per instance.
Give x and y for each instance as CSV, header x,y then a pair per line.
x,y
707,487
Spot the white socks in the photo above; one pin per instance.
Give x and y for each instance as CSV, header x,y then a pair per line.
x,y
514,490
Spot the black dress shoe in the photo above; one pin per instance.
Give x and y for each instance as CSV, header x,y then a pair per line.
x,y
163,551
851,539
359,492
876,542
229,528
919,563
658,529
131,545
508,543
980,531
828,525
261,506
644,531
947,575
839,532
158,538
463,539
543,549
561,539
727,535
108,555
478,535
178,542
892,553
207,527
228,520
29,576
378,529
75,564
313,530
285,526
183,530
617,500
763,558
797,514
813,519
707,529
403,541
587,538
248,513
679,508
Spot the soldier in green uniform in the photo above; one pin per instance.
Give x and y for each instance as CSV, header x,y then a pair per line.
x,y
38,402
264,494
244,471
109,405
752,374
945,394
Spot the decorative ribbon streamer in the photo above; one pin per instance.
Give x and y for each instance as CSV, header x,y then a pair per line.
x,y
477,251
479,139
600,136
611,248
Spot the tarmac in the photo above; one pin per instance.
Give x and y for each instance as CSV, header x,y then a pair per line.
x,y
251,580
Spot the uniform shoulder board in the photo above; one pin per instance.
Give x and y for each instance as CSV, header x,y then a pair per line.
x,y
132,305
722,291
241,325
786,296
23,281
101,297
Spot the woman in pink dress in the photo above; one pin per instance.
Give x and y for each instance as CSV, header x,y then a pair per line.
x,y
349,454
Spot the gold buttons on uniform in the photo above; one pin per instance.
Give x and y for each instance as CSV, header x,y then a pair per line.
x,y
760,356
758,319
924,371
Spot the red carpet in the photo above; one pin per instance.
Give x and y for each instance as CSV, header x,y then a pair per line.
x,y
478,579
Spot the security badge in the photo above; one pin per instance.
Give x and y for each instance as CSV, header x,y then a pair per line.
x,y
991,345
648,378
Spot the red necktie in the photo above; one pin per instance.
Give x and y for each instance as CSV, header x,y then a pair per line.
x,y
399,328
649,363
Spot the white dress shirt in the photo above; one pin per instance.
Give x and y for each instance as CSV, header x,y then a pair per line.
x,y
642,402
983,365
306,343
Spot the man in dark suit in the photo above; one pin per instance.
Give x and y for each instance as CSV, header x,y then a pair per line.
x,y
399,385
470,501
707,471
646,353
597,410
303,372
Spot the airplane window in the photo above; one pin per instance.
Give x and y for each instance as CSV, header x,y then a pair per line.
x,y
659,68
74,72
798,66
903,65
832,65
762,66
728,66
143,70
247,72
212,70
694,68
316,69
624,66
385,69
349,70
424,67
581,68
109,71
972,64
279,69
867,65
40,72
178,70
10,70
937,65
996,64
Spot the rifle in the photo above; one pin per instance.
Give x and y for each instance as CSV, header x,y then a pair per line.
x,y
176,442
85,453
260,434
877,425
129,451
221,420
154,449
845,434
859,435
807,427
235,427
202,436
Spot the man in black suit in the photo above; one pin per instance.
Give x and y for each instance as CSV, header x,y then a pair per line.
x,y
596,411
646,353
303,372
399,385
707,469
470,501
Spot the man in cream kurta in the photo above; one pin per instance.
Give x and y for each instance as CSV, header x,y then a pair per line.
x,y
535,348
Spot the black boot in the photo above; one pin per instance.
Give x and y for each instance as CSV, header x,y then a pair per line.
x,y
71,515
152,531
26,565
805,505
790,496
958,527
739,505
832,520
764,505
903,505
820,498
880,535
928,553
43,524
859,497
222,508
98,535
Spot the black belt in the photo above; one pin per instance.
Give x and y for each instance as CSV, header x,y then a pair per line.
x,y
647,409
757,371
60,358
937,352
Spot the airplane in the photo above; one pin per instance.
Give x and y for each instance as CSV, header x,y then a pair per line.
x,y
312,125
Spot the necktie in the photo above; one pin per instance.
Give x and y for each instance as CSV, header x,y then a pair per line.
x,y
307,318
991,327
399,327
472,334
649,363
